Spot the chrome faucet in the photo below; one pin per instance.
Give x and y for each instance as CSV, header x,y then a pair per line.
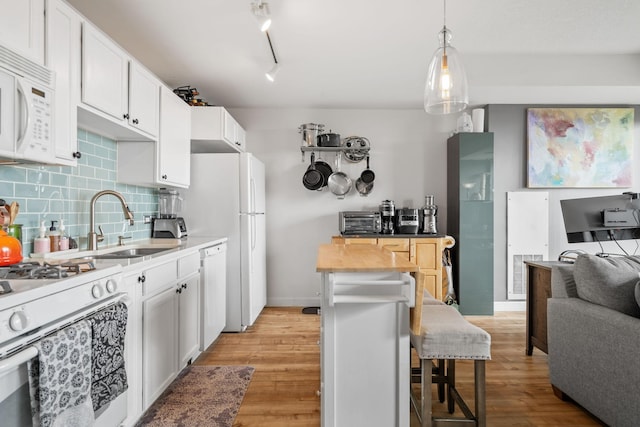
x,y
93,238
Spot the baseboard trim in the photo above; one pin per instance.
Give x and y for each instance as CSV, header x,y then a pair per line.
x,y
304,302
293,302
509,306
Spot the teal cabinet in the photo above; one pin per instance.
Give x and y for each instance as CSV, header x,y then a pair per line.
x,y
470,219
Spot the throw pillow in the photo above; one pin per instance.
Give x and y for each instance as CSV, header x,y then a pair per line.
x,y
610,282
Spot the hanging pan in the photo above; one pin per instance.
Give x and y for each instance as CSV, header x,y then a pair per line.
x,y
339,183
313,178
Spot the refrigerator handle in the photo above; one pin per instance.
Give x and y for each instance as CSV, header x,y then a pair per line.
x,y
253,232
252,208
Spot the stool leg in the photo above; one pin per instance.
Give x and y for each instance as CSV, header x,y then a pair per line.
x,y
441,371
451,384
425,392
481,403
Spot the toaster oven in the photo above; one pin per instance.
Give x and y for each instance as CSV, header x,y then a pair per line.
x,y
360,222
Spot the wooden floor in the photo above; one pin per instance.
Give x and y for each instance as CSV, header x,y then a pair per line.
x,y
283,347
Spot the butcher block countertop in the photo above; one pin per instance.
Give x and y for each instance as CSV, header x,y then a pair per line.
x,y
360,259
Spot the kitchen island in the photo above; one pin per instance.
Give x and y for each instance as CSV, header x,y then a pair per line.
x,y
364,342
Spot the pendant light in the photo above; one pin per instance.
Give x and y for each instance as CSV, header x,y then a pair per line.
x,y
446,88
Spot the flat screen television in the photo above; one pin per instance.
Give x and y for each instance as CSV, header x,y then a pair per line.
x,y
600,219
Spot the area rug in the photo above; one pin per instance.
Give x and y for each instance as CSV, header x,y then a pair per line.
x,y
201,396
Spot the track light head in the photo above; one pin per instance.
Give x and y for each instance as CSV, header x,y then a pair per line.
x,y
263,15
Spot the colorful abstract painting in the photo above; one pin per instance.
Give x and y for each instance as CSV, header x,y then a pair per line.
x,y
579,147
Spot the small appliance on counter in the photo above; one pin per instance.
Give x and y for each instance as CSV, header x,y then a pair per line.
x,y
407,221
429,216
168,225
359,222
388,213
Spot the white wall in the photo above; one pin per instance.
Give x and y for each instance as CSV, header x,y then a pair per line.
x,y
408,156
508,123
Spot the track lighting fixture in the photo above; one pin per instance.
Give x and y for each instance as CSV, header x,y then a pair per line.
x,y
271,74
261,12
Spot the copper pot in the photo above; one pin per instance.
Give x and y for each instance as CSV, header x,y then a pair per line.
x,y
10,249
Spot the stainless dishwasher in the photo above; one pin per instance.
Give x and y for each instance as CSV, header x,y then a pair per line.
x,y
214,293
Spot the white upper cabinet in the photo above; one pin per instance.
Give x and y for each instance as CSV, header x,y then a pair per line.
x,y
119,97
63,57
22,27
214,130
105,74
174,157
166,163
143,99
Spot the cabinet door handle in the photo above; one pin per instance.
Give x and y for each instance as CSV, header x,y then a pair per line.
x,y
125,116
178,291
141,279
164,176
77,155
184,286
135,121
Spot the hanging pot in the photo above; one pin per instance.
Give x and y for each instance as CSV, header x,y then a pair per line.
x,y
10,249
363,188
329,140
313,178
310,132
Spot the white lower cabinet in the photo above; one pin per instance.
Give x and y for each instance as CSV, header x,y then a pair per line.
x,y
188,320
159,328
163,331
159,337
188,308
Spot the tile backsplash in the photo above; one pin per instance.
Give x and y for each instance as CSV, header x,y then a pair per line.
x,y
52,193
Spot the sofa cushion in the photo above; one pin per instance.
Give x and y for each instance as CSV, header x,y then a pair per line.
x,y
610,282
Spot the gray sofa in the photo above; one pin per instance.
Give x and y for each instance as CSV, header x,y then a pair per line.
x,y
593,324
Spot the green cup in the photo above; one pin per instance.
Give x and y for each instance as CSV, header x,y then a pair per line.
x,y
15,230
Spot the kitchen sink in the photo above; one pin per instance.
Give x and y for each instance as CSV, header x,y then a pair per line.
x,y
131,253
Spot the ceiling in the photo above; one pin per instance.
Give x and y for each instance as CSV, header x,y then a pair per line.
x,y
374,54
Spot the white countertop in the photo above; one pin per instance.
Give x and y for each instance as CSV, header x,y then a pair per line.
x,y
174,247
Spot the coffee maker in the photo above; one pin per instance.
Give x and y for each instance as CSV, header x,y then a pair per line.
x,y
429,213
388,214
168,224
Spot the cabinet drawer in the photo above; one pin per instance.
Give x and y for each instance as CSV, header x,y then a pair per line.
x,y
360,241
159,277
395,245
189,264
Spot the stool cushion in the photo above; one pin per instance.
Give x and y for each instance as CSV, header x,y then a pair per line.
x,y
445,334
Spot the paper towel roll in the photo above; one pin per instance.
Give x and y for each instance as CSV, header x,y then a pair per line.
x,y
477,116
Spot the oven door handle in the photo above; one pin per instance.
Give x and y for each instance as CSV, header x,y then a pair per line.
x,y
18,359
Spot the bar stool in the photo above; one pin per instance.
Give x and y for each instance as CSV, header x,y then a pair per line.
x,y
444,335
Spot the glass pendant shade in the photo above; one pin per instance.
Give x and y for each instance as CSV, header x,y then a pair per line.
x,y
446,89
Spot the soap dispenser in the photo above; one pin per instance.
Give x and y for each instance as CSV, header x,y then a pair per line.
x,y
41,244
54,237
64,238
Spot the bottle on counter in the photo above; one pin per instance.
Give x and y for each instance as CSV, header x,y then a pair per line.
x,y
42,244
64,238
54,237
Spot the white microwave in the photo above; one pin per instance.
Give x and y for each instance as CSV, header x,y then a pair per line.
x,y
26,109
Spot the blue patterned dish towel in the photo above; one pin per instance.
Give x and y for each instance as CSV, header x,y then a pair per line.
x,y
60,378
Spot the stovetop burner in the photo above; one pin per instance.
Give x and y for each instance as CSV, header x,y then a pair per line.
x,y
46,270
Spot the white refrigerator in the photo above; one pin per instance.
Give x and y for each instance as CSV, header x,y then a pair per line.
x,y
227,198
